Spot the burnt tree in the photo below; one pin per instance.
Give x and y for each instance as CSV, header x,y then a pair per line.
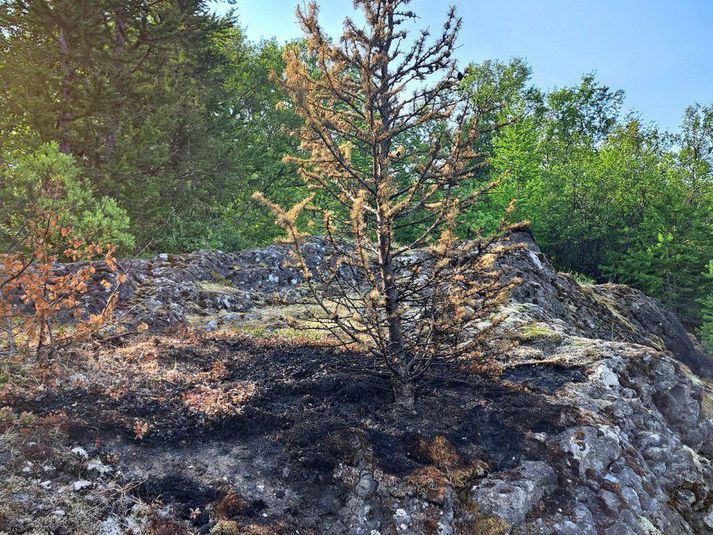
x,y
387,140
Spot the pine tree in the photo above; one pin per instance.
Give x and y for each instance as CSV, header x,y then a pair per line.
x,y
707,314
134,90
360,101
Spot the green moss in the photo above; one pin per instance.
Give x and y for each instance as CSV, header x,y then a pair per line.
x,y
220,287
254,332
581,278
12,373
225,527
285,333
536,332
474,522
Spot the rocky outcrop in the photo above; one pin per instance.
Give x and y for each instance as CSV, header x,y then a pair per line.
x,y
637,462
592,415
169,288
602,311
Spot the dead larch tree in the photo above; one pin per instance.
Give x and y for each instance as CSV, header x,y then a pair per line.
x,y
388,139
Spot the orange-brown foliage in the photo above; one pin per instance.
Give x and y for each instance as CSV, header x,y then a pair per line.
x,y
404,298
218,401
33,293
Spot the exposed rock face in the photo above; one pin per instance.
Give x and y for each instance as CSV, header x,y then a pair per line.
x,y
609,419
640,457
603,311
169,288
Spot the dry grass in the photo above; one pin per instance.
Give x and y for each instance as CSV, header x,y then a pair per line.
x,y
218,401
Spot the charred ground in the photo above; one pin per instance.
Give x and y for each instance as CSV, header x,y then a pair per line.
x,y
589,411
310,413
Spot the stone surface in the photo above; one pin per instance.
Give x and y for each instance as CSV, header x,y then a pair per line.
x,y
511,496
628,449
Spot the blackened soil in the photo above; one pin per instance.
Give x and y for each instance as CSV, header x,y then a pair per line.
x,y
315,408
546,377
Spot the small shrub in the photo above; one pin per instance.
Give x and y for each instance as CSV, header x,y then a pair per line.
x,y
33,295
438,451
215,402
48,180
232,505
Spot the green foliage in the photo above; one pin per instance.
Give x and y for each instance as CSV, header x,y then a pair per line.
x,y
52,180
586,113
166,106
499,96
611,198
707,313
500,100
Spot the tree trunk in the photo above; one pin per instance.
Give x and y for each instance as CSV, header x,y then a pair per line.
x,y
400,374
65,114
404,395
119,45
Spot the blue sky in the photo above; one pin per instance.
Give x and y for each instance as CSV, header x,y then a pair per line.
x,y
659,51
